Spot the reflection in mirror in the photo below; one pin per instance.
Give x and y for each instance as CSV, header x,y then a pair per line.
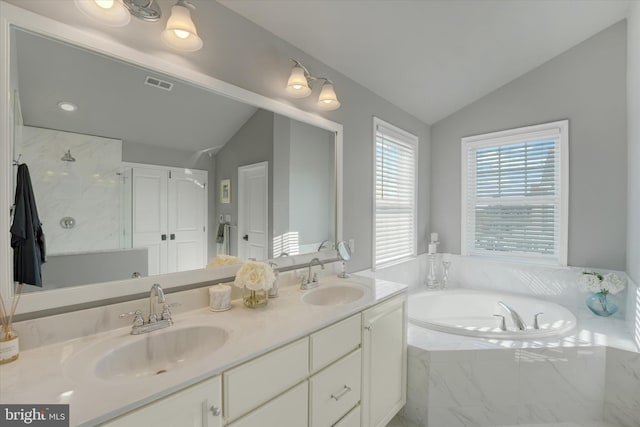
x,y
344,253
136,173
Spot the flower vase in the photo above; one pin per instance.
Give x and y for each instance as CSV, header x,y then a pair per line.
x,y
602,304
255,299
9,346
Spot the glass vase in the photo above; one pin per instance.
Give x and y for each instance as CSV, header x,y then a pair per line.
x,y
9,346
255,299
604,305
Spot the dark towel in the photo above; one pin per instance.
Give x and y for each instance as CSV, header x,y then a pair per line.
x,y
220,235
27,239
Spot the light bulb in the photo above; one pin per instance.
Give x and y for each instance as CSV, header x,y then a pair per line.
x,y
181,34
105,4
107,12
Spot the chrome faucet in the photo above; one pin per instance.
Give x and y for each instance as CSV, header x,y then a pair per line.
x,y
517,320
310,282
156,290
156,296
322,245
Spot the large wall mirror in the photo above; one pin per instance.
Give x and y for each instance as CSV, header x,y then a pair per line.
x,y
138,173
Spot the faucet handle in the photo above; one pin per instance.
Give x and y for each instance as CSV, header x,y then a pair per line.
x,y
166,313
536,325
137,320
315,278
503,323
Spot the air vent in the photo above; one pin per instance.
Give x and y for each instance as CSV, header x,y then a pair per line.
x,y
152,81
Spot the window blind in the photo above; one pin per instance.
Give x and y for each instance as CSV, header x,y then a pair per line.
x,y
513,197
395,194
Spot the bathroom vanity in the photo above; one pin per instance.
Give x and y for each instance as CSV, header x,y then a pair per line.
x,y
310,358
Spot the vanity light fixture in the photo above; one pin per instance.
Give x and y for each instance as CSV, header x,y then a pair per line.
x,y
328,101
107,12
67,106
181,32
300,82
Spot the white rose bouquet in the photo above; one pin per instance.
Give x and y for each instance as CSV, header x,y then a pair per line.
x,y
255,276
223,260
597,283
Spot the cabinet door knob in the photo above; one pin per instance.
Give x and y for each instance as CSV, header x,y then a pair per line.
x,y
338,396
368,327
215,410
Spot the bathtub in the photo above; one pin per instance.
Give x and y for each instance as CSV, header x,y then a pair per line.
x,y
470,312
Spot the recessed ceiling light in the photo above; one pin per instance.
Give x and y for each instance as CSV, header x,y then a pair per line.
x,y
67,106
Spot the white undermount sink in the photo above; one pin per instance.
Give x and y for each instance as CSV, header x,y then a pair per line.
x,y
334,294
158,352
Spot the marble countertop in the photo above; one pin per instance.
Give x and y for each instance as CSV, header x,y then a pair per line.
x,y
52,374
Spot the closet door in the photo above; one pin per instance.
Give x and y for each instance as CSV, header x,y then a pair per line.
x,y
149,216
187,220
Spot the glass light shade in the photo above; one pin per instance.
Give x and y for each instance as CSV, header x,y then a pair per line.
x,y
328,101
108,12
297,86
180,32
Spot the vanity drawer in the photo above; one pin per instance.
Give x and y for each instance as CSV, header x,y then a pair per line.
x,y
334,391
352,419
290,409
333,342
250,385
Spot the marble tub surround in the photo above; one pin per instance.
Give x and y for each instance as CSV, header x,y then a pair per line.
x,y
41,374
555,284
523,386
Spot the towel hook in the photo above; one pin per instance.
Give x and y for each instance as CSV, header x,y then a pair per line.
x,y
17,162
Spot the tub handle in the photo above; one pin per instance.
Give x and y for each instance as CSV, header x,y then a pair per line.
x,y
503,323
536,325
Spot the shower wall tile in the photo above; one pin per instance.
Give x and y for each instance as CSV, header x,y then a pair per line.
x,y
88,190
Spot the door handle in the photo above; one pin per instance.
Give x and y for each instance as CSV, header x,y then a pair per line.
x,y
163,237
172,236
245,237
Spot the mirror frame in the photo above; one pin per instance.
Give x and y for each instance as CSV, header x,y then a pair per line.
x,y
65,299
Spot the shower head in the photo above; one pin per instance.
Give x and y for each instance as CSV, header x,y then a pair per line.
x,y
68,157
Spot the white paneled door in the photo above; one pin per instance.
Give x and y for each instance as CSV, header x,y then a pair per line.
x,y
187,220
253,211
149,212
169,212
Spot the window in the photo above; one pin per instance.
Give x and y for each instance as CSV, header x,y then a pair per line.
x,y
396,157
515,194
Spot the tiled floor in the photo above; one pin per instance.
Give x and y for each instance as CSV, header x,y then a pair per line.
x,y
401,422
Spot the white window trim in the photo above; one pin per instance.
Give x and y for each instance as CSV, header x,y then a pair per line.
x,y
415,142
513,136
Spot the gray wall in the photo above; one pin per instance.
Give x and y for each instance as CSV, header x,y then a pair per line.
x,y
253,143
633,129
242,53
586,85
152,155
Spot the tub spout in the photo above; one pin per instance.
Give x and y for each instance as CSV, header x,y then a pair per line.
x,y
520,324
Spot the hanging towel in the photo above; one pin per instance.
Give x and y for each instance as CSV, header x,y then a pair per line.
x,y
220,235
27,238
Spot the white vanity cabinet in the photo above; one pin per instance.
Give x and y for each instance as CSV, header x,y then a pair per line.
x,y
197,406
349,374
384,363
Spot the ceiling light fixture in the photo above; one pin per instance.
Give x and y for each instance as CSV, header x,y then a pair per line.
x,y
107,12
300,82
181,32
67,106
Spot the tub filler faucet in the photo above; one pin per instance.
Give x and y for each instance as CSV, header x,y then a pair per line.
x,y
517,320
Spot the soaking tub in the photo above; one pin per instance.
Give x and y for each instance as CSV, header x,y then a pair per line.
x,y
471,313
